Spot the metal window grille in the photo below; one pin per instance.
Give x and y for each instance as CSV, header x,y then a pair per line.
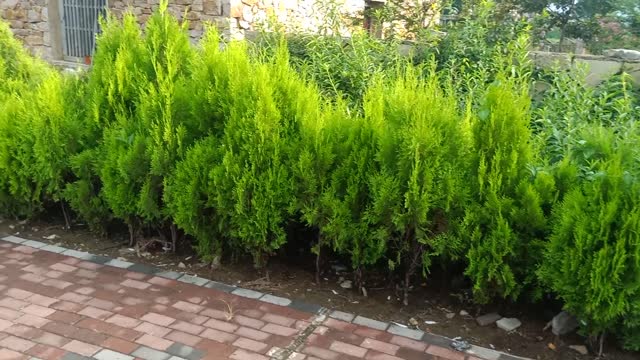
x,y
80,25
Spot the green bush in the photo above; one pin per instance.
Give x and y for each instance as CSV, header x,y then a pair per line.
x,y
506,222
591,262
393,165
419,188
150,127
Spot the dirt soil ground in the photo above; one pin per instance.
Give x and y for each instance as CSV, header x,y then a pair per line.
x,y
430,308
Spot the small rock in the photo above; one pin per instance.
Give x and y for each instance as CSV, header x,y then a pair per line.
x,y
508,324
551,346
539,338
182,265
430,322
215,263
51,237
450,315
338,268
346,284
413,322
488,319
580,349
121,258
11,227
464,313
563,323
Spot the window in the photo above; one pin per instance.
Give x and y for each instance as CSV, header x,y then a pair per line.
x,y
80,25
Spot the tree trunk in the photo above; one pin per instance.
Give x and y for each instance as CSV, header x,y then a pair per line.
x,y
318,258
67,222
132,236
174,237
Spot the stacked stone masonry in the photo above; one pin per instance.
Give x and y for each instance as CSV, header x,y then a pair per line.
x,y
38,22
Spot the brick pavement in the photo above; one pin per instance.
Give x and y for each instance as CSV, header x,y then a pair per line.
x,y
54,306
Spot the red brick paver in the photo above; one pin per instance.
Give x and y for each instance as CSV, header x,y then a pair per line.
x,y
54,307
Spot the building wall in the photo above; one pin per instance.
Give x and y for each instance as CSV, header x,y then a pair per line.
x,y
38,22
29,20
198,12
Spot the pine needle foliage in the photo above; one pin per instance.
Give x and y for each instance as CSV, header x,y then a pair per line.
x,y
418,187
506,221
151,120
38,120
592,261
119,66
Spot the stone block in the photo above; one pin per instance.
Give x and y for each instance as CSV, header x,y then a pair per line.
x,y
488,319
508,324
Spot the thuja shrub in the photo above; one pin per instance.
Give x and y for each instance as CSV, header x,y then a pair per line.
x,y
323,137
592,260
505,222
120,66
253,183
151,130
418,187
40,127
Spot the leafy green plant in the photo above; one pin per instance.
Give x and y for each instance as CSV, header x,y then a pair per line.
x,y
419,187
591,262
506,221
150,124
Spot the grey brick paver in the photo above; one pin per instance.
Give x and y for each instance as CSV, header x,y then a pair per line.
x,y
146,353
374,324
119,263
406,332
111,355
53,249
14,239
276,300
343,316
185,352
251,294
195,280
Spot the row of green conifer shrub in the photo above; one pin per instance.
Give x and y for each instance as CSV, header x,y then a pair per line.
x,y
533,198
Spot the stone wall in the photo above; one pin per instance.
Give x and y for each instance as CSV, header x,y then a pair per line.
x,y
37,22
599,67
198,12
29,20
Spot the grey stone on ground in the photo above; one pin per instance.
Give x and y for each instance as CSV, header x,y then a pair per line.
x,y
450,315
564,323
488,319
508,324
580,349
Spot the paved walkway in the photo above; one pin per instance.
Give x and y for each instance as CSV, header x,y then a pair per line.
x,y
54,306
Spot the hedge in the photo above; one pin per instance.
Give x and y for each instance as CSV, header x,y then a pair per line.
x,y
531,198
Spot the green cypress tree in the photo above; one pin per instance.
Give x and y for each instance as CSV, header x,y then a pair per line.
x,y
151,132
119,66
419,187
592,261
506,221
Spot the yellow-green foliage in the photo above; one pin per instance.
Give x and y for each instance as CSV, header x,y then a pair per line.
x,y
39,126
425,168
418,187
150,118
506,220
